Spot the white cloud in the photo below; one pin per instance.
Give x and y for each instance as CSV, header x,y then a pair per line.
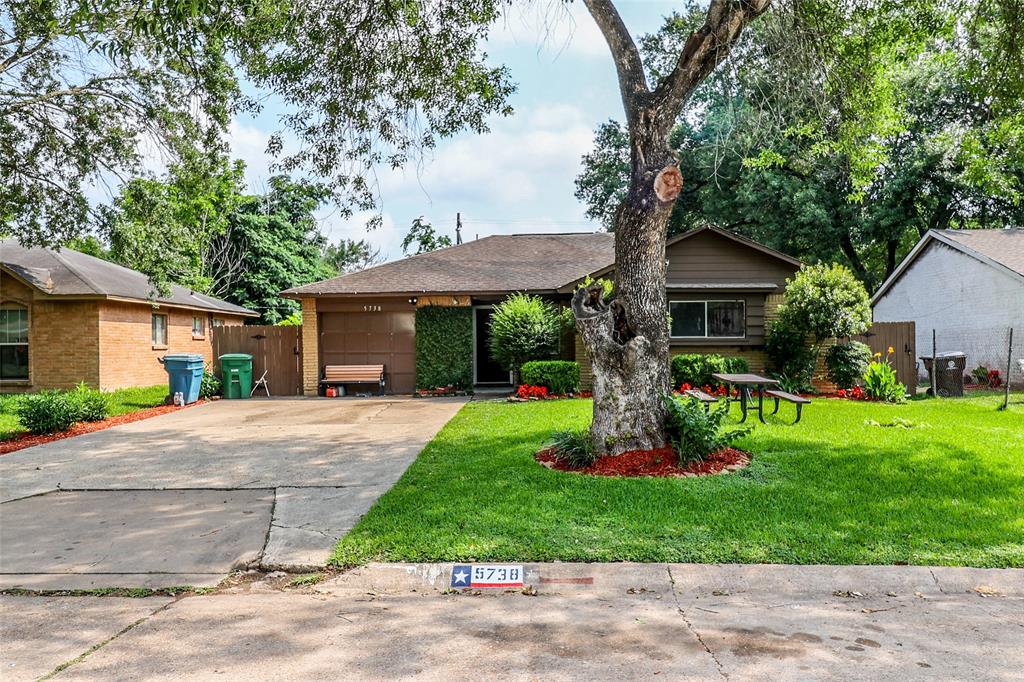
x,y
524,159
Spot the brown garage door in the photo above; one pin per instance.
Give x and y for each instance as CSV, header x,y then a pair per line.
x,y
374,337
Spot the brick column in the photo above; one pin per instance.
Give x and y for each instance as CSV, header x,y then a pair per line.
x,y
310,348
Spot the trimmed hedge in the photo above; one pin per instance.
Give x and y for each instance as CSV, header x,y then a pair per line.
x,y
558,376
444,347
696,368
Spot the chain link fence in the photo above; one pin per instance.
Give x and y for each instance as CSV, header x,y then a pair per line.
x,y
954,362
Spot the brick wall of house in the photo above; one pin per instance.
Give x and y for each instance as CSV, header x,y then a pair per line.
x,y
310,348
62,343
127,356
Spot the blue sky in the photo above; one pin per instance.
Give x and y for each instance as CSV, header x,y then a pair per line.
x,y
519,177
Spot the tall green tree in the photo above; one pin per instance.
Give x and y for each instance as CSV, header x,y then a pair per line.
x,y
218,240
424,238
351,255
765,155
278,246
87,85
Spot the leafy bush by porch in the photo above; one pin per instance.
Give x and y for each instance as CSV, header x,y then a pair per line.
x,y
558,376
444,347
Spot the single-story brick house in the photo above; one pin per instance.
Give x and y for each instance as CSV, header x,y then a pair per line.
x,y
425,317
67,317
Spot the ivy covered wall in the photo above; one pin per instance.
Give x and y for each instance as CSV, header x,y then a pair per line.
x,y
444,347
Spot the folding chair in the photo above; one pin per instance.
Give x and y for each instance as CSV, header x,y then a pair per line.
x,y
262,381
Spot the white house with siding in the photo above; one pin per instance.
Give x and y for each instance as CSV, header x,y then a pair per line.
x,y
967,285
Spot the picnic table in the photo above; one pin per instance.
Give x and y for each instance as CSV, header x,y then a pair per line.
x,y
746,382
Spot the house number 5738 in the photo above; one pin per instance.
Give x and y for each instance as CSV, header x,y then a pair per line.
x,y
371,308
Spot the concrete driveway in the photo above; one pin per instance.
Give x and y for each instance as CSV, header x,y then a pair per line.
x,y
187,497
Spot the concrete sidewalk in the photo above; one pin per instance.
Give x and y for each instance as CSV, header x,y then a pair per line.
x,y
585,621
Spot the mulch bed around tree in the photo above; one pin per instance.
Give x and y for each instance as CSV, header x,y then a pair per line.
x,y
659,462
27,440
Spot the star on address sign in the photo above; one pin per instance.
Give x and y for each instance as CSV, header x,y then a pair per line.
x,y
460,576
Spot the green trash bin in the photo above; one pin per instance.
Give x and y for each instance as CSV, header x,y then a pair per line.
x,y
236,371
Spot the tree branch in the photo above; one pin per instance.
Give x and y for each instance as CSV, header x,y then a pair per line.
x,y
703,51
632,80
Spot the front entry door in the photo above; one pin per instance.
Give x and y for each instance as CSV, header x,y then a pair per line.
x,y
487,371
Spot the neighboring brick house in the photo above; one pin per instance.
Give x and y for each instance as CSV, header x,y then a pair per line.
x,y
67,317
722,289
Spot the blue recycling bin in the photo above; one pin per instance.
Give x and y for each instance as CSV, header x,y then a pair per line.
x,y
184,374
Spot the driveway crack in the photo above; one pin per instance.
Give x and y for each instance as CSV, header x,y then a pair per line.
x,y
99,645
692,629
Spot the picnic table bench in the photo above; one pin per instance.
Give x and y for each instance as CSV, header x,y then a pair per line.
x,y
799,401
700,395
339,375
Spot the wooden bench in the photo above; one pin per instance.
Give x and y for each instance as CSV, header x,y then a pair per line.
x,y
790,398
338,375
700,395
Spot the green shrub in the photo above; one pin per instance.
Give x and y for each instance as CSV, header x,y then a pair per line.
x,y
444,347
694,433
211,385
847,362
789,356
696,368
825,301
523,328
558,376
89,404
46,412
573,448
880,382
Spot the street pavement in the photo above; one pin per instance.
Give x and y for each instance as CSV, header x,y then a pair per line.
x,y
571,622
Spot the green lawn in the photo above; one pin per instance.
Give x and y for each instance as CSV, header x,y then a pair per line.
x,y
831,490
122,401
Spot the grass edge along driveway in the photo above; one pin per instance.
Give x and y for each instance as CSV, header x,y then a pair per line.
x,y
835,489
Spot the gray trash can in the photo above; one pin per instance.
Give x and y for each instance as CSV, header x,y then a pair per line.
x,y
949,373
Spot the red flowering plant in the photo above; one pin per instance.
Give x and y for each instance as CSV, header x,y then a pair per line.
x,y
527,392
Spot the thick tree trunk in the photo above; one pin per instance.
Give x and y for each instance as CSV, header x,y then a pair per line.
x,y
627,339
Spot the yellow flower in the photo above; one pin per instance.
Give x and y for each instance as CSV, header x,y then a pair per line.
x,y
891,349
878,355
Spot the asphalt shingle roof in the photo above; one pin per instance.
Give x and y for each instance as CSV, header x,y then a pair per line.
x,y
72,273
521,262
1003,246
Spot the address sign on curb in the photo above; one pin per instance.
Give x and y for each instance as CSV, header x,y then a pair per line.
x,y
486,575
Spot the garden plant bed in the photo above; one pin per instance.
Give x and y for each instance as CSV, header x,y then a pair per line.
x,y
27,440
660,462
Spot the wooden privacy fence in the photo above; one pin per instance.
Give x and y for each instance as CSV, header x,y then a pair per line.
x,y
901,336
274,349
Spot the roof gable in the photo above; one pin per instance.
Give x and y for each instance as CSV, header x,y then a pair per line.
x,y
1000,249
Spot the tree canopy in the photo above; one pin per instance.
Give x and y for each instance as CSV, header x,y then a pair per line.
x,y
773,147
88,87
219,240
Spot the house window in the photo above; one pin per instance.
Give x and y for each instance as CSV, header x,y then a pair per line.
x,y
708,319
217,322
159,330
13,342
198,327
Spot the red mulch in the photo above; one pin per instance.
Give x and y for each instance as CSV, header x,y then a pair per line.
x,y
659,462
27,440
